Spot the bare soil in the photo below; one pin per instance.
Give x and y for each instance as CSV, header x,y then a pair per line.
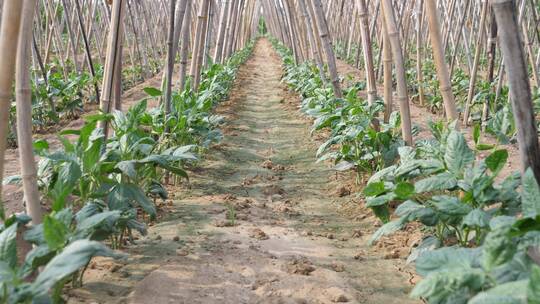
x,y
259,222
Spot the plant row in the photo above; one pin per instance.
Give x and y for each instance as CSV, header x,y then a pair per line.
x,y
481,230
104,187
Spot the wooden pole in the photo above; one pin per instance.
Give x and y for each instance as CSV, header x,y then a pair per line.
x,y
9,32
24,114
518,81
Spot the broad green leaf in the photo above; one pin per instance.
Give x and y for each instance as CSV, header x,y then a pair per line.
x,y
8,246
123,195
55,233
406,153
384,174
153,92
404,190
457,154
477,218
533,288
75,256
428,244
37,257
88,226
496,160
40,145
386,229
374,189
450,205
380,200
68,177
92,153
450,285
507,293
128,168
530,196
498,248
407,208
447,257
439,182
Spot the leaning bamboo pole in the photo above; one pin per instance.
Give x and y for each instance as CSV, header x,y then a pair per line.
x,y
445,84
325,40
397,55
113,49
198,44
368,54
474,72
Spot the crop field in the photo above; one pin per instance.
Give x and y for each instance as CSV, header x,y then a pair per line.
x,y
270,151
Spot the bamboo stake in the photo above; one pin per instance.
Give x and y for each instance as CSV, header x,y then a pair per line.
x,y
518,81
9,32
397,55
325,39
445,84
24,114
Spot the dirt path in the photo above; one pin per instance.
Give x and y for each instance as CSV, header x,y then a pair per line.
x,y
288,242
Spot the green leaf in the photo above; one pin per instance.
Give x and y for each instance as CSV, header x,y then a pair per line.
x,y
40,145
439,182
428,244
75,256
55,233
128,168
68,177
484,147
12,180
450,285
92,153
8,246
498,248
477,218
404,190
380,200
88,226
447,257
407,208
530,196
476,134
344,166
153,92
496,160
36,258
374,189
457,154
163,162
382,174
386,229
450,205
533,288
507,293
123,195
